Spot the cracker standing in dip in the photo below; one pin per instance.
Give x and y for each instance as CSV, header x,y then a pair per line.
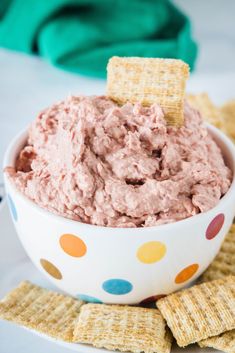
x,y
92,160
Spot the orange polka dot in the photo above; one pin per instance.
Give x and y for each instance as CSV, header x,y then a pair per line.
x,y
51,269
186,273
73,245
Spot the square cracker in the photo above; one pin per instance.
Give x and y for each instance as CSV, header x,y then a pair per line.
x,y
149,81
224,342
206,107
42,310
200,312
125,328
224,263
228,112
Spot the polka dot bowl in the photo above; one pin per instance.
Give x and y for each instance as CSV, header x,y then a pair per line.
x,y
120,265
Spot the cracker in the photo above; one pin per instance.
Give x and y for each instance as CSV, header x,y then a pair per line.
x,y
200,312
224,342
42,310
224,263
149,81
208,110
125,328
228,112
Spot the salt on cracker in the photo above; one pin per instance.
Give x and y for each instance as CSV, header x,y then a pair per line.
x,y
42,310
224,263
224,342
200,312
228,112
206,107
125,328
149,81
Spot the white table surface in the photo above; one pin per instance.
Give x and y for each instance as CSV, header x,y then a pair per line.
x,y
27,85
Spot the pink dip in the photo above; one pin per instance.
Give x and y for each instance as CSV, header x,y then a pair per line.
x,y
92,161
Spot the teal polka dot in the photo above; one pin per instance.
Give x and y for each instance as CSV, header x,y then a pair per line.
x,y
117,286
12,207
88,298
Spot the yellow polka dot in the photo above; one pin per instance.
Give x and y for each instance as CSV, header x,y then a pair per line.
x,y
73,245
151,252
51,269
186,273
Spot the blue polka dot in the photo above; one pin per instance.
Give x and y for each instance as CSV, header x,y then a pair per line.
x,y
117,286
12,207
88,298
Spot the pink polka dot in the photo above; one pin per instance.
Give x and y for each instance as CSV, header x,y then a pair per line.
x,y
215,226
154,298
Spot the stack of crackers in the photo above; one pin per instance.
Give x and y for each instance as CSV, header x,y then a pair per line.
x,y
222,117
204,313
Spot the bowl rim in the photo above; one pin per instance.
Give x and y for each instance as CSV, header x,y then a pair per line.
x,y
17,141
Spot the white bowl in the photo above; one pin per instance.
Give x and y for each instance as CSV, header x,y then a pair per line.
x,y
120,265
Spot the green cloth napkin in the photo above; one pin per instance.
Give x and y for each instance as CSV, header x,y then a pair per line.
x,y
81,35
